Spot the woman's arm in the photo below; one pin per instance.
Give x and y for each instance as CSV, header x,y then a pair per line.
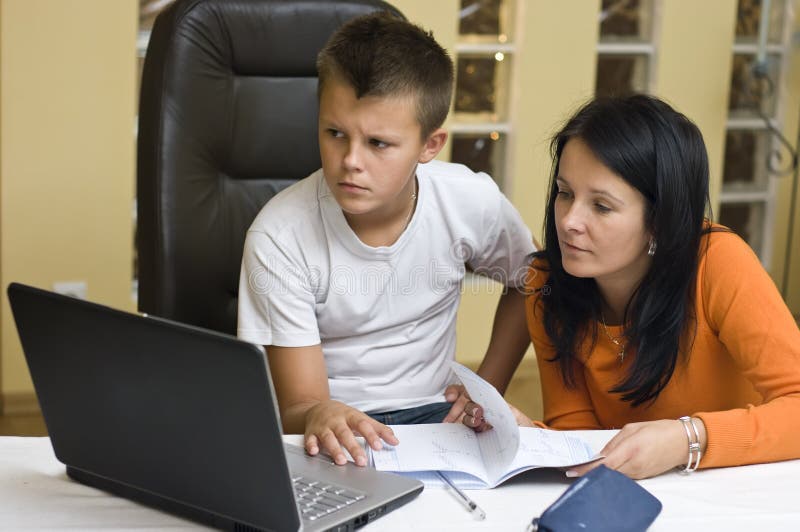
x,y
738,300
743,306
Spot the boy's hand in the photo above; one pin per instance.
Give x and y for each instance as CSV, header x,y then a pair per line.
x,y
463,409
456,394
331,425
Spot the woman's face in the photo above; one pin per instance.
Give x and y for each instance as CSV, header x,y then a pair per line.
x,y
600,219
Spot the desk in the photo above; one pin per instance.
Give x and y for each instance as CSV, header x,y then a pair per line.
x,y
35,494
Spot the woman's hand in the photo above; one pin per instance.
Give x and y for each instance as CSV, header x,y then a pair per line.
x,y
647,449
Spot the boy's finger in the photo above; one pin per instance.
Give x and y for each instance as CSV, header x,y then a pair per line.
x,y
474,410
386,434
483,427
368,432
333,448
473,422
348,440
452,392
312,444
456,410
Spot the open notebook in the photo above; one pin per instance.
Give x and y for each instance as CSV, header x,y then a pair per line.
x,y
479,460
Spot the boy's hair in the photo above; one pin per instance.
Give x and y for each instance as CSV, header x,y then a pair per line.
x,y
380,54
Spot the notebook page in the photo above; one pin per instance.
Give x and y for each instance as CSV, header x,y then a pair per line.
x,y
547,448
436,446
499,445
552,447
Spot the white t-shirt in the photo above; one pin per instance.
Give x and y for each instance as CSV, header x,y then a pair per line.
x,y
385,316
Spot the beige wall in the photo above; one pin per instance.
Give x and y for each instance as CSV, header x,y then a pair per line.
x,y
66,154
693,67
67,95
437,17
554,72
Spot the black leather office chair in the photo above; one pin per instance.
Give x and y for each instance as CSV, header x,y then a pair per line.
x,y
227,118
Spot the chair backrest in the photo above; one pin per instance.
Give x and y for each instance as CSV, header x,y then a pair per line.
x,y
227,118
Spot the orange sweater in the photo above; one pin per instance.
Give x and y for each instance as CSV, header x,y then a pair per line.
x,y
742,377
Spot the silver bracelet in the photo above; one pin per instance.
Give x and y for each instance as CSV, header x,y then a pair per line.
x,y
694,445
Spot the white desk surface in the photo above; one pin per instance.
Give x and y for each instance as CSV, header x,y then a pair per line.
x,y
35,494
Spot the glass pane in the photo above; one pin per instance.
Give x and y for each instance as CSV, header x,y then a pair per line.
x,y
626,20
619,74
748,93
747,220
481,153
482,85
149,10
748,18
485,20
746,159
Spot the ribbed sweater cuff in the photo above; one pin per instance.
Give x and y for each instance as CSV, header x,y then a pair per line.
x,y
728,443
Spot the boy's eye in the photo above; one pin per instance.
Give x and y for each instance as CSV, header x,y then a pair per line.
x,y
378,143
335,133
602,208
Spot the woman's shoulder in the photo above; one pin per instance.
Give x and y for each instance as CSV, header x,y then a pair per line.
x,y
730,271
722,250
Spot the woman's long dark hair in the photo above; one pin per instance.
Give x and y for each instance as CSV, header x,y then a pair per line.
x,y
660,153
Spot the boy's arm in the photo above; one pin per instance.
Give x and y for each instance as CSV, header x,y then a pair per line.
x,y
301,384
507,345
509,341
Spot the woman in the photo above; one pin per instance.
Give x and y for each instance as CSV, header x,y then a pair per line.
x,y
642,312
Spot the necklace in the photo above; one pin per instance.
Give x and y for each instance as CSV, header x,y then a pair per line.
x,y
616,340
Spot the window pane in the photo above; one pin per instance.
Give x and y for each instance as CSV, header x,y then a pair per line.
x,y
619,74
482,84
481,153
149,10
748,18
746,157
747,220
485,20
747,93
626,20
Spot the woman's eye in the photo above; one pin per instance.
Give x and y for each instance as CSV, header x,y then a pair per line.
x,y
563,193
602,208
335,133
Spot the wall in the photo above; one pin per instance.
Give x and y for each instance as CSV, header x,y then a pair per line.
x,y
693,69
67,147
555,72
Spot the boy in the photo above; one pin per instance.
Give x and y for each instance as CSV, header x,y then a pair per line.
x,y
351,277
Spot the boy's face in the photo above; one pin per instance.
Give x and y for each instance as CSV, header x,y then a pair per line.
x,y
370,148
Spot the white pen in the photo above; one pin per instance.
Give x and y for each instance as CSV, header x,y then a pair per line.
x,y
469,503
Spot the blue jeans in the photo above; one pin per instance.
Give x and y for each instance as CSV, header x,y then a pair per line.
x,y
431,413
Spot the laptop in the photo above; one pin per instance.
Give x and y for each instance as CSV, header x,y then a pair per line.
x,y
183,419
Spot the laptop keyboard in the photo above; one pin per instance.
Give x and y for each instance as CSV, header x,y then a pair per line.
x,y
317,499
